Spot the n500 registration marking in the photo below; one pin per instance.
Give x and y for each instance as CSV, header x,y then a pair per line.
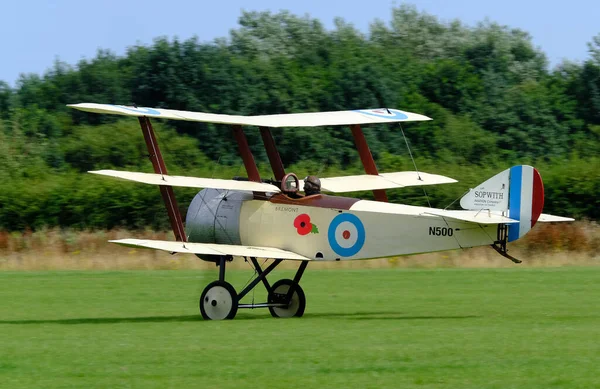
x,y
441,231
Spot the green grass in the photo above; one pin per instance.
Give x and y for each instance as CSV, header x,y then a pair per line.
x,y
516,328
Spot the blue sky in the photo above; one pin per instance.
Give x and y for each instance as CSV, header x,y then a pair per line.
x,y
34,33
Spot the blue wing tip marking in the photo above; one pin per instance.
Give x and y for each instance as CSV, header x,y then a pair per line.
x,y
384,113
142,110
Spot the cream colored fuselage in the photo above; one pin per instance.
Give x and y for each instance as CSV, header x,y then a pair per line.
x,y
367,230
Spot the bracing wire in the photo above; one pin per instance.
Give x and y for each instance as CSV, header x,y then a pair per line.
x,y
410,152
252,276
414,163
456,199
426,197
324,164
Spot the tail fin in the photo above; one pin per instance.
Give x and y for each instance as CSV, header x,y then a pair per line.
x,y
517,192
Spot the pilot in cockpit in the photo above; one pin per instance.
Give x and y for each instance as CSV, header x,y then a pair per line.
x,y
312,185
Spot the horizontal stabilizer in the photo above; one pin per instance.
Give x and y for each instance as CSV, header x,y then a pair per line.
x,y
190,182
479,217
212,249
381,181
310,119
544,217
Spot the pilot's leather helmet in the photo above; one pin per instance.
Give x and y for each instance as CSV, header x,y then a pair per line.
x,y
312,185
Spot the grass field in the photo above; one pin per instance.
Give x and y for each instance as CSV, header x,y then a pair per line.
x,y
396,328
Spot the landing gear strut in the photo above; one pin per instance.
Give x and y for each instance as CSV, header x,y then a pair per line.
x,y
219,299
278,296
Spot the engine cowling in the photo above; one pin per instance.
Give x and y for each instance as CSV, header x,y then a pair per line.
x,y
214,216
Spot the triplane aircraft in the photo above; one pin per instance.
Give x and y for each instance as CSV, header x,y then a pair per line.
x,y
272,219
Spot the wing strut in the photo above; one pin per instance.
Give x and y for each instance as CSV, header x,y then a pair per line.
x,y
159,166
272,153
246,154
367,159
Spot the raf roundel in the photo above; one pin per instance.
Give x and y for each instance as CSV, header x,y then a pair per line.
x,y
346,235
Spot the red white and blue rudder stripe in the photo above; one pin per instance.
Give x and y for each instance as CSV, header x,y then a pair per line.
x,y
525,200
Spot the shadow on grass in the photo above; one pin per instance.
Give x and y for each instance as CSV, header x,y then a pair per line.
x,y
198,318
385,316
108,320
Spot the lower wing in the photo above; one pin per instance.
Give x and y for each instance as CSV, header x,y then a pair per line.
x,y
212,249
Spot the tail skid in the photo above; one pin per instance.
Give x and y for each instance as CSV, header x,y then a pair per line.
x,y
500,244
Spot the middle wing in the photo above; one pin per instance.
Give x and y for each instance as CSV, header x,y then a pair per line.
x,y
190,182
381,181
212,249
333,184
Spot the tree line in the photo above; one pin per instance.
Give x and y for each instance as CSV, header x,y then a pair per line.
x,y
490,91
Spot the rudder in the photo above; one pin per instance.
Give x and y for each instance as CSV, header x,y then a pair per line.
x,y
526,200
517,192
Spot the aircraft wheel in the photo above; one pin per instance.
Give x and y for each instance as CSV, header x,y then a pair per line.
x,y
279,292
218,301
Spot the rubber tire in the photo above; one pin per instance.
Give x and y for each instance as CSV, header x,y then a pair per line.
x,y
234,301
282,286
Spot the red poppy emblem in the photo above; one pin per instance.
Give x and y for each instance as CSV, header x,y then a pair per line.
x,y
304,226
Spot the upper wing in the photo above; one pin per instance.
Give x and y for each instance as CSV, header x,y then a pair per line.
x,y
311,119
381,181
190,182
212,249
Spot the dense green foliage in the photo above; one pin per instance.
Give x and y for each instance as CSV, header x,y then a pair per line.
x,y
494,101
443,328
